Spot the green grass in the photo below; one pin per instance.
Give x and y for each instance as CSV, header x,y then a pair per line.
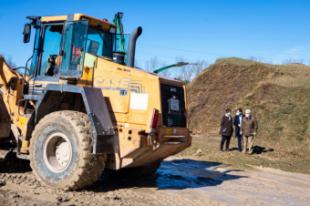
x,y
287,161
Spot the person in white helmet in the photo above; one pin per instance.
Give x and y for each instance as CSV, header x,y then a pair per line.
x,y
249,129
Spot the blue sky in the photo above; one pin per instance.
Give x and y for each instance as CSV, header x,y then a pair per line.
x,y
269,30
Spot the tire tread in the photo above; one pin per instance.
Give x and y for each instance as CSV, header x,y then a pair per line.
x,y
89,166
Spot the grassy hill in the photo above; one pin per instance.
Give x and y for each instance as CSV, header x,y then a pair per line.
x,y
279,96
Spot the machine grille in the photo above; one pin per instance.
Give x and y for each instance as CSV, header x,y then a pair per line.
x,y
173,106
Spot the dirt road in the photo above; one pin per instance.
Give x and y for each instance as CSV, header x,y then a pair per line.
x,y
178,182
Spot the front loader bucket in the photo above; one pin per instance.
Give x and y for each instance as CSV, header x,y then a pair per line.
x,y
5,125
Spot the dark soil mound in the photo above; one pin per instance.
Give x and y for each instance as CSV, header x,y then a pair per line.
x,y
279,96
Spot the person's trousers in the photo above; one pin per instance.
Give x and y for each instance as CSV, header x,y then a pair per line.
x,y
239,138
225,140
248,143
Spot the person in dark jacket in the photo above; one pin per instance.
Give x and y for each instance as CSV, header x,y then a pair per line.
x,y
237,124
226,129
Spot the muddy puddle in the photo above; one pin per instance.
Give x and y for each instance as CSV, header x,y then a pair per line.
x,y
188,173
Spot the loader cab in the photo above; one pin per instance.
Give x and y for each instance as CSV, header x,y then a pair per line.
x,y
61,44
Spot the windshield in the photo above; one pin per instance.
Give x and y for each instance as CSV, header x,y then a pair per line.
x,y
99,43
103,43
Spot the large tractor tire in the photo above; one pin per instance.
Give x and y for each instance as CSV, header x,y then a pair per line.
x,y
61,151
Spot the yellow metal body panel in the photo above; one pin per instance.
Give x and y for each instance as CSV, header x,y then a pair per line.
x,y
131,119
113,79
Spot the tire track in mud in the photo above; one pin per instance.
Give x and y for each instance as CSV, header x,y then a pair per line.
x,y
21,179
184,182
127,196
105,192
27,187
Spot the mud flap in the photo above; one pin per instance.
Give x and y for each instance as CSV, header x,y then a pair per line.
x,y
99,113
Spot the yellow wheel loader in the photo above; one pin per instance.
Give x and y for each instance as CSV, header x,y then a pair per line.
x,y
80,106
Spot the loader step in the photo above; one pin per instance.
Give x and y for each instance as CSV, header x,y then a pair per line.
x,y
32,97
174,139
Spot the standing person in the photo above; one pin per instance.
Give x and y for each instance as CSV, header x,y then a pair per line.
x,y
226,129
237,124
249,129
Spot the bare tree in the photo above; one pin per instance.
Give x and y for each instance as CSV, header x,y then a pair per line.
x,y
293,61
189,72
184,73
199,66
154,63
256,59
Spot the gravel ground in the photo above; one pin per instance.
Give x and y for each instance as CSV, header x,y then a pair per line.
x,y
179,181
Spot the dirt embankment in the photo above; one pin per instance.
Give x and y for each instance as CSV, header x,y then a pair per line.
x,y
279,96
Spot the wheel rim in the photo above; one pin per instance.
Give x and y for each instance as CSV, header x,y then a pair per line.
x,y
57,152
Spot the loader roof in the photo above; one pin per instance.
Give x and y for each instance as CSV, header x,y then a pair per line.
x,y
78,16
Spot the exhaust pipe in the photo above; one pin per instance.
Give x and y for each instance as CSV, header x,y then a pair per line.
x,y
132,46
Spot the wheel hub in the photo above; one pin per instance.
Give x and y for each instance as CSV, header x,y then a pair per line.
x,y
62,153
57,152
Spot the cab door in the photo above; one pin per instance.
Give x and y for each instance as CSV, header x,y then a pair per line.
x,y
73,49
48,60
62,53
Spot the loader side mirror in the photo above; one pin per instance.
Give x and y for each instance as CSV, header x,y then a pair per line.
x,y
27,33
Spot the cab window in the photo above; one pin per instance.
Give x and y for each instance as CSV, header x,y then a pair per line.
x,y
50,50
99,43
